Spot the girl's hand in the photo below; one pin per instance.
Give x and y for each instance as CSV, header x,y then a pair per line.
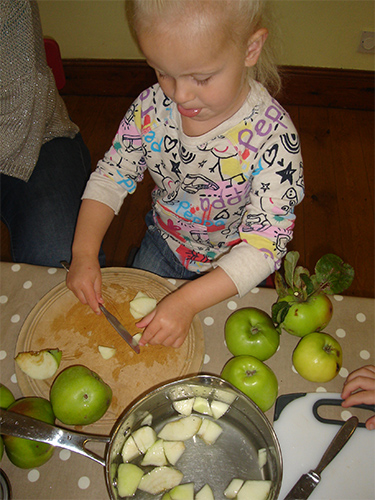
x,y
359,388
168,324
84,279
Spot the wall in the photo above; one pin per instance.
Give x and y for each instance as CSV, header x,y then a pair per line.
x,y
318,33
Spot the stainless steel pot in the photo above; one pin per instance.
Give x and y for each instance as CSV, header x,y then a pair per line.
x,y
234,455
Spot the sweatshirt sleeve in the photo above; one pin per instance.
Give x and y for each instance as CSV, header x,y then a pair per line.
x,y
122,167
267,225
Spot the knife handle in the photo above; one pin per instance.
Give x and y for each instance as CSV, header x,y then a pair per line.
x,y
337,443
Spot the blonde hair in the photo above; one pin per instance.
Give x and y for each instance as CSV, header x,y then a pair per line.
x,y
237,19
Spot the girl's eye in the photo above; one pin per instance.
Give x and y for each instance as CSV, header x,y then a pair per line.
x,y
203,82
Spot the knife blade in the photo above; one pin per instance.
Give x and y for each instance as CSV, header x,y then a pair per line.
x,y
120,329
307,482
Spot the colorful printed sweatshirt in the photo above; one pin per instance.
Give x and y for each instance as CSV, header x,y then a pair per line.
x,y
225,198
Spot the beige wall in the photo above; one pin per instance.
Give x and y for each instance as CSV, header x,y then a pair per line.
x,y
320,33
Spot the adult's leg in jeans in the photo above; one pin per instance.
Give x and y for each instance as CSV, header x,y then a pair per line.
x,y
154,255
41,214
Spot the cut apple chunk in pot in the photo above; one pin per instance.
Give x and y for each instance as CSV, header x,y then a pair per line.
x,y
160,479
218,409
256,490
173,450
182,429
130,450
155,455
262,457
144,438
205,493
184,406
182,492
209,431
39,365
128,478
233,488
202,405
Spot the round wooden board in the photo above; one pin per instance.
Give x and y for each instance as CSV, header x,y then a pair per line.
x,y
59,320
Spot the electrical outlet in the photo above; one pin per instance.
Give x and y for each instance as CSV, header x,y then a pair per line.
x,y
367,43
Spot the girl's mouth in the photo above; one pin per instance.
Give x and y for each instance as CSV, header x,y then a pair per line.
x,y
189,113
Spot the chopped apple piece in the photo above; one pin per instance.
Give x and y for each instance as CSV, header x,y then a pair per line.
x,y
144,438
184,406
201,405
183,492
147,420
39,365
233,488
205,493
128,478
141,305
107,352
155,454
225,396
262,457
256,490
129,450
173,450
160,479
209,431
166,496
137,337
182,429
218,408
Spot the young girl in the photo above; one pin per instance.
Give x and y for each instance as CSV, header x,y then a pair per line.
x,y
224,155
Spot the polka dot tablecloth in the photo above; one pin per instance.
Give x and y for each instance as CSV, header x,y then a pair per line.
x,y
71,476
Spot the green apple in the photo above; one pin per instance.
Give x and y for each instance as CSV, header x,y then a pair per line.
x,y
309,316
6,397
253,378
250,331
25,453
318,357
79,396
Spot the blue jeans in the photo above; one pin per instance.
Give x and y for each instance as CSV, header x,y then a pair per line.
x,y
41,214
154,255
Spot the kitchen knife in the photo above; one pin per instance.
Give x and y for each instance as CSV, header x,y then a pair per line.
x,y
120,329
307,482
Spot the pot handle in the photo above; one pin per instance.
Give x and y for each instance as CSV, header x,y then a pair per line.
x,y
22,426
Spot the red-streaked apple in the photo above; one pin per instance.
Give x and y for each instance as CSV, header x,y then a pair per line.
x,y
25,453
250,331
253,378
318,357
79,396
309,316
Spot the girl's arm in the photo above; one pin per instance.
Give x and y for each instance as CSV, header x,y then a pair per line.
x,y
169,323
84,277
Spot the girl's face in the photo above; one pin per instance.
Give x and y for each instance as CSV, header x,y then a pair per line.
x,y
205,77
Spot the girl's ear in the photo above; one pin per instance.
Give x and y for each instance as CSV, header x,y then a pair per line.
x,y
255,46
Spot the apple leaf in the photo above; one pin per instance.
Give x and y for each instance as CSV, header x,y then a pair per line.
x,y
333,274
290,263
309,284
280,285
279,312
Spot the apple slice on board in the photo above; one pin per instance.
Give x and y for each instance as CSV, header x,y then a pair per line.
x,y
39,365
141,305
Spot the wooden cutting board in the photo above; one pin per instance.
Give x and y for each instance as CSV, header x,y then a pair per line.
x,y
304,438
59,320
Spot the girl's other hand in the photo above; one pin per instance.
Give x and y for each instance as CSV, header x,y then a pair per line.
x,y
168,324
84,279
359,388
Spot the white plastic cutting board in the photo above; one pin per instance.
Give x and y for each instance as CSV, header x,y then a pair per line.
x,y
303,440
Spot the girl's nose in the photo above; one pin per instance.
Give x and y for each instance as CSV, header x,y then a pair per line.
x,y
182,92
